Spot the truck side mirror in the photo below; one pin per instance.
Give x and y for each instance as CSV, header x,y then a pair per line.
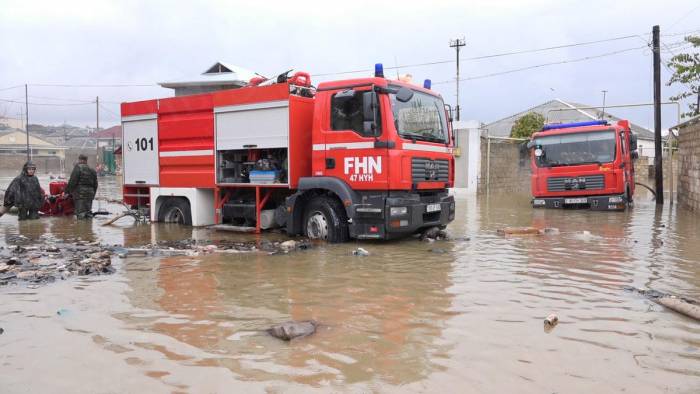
x,y
633,142
370,108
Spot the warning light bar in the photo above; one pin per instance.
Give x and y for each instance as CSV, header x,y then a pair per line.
x,y
577,124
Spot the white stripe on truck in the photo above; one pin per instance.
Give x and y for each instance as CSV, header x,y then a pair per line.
x,y
180,153
344,145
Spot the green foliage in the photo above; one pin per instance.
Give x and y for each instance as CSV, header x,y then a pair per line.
x,y
526,125
686,72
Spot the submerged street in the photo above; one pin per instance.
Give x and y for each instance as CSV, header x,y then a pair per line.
x,y
447,316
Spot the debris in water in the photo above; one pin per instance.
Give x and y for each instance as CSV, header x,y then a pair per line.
x,y
41,264
292,329
434,233
288,245
438,251
527,231
360,252
681,305
62,312
550,322
518,231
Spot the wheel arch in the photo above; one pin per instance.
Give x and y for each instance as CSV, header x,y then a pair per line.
x,y
318,186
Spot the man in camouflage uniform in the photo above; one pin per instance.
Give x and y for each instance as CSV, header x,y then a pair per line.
x,y
82,185
24,193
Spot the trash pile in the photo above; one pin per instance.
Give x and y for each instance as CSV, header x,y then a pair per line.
x,y
27,262
190,247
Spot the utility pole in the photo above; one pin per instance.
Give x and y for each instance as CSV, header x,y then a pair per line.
x,y
603,114
456,44
658,162
26,126
97,128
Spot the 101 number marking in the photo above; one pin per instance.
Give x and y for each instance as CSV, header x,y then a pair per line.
x,y
143,144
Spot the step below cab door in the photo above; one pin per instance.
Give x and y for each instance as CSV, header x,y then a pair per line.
x,y
352,139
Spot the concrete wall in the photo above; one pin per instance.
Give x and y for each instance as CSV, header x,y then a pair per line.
x,y
507,170
689,166
44,164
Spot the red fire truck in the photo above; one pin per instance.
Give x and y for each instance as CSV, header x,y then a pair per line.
x,y
364,158
583,165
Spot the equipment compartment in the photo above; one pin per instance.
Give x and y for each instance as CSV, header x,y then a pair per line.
x,y
252,166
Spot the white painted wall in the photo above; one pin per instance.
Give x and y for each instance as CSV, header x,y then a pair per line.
x,y
646,148
468,164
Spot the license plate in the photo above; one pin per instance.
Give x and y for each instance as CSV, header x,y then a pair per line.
x,y
580,200
432,208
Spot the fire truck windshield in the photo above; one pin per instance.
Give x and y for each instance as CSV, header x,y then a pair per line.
x,y
420,118
576,148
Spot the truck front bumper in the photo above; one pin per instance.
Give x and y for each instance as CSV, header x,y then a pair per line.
x,y
397,216
594,203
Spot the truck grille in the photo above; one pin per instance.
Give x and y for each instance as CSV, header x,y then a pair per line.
x,y
590,182
427,170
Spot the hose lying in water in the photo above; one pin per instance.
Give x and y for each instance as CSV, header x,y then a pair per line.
x,y
681,305
647,187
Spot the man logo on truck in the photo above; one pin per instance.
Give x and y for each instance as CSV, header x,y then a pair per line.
x,y
362,168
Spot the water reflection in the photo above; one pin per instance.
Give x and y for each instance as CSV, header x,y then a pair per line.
x,y
381,316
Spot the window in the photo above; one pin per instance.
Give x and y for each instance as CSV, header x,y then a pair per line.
x,y
347,112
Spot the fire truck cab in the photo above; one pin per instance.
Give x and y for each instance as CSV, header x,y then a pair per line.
x,y
365,158
583,165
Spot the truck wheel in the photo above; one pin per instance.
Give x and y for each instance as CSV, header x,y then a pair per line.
x,y
325,218
175,210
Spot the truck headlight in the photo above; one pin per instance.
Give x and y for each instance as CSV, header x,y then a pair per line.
x,y
538,202
615,200
398,211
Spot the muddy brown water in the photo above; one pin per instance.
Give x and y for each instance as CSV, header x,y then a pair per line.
x,y
452,316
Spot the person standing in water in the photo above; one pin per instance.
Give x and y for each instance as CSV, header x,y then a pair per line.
x,y
25,193
82,185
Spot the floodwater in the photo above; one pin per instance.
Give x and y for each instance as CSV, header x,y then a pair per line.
x,y
450,316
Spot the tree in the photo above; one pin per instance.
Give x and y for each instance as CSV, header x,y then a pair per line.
x,y
526,125
686,72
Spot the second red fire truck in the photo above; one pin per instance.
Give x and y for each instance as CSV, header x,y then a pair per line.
x,y
583,165
364,158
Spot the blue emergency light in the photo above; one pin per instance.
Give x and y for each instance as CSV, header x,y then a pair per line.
x,y
556,126
427,83
379,70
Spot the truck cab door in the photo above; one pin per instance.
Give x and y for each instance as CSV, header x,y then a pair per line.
x,y
351,136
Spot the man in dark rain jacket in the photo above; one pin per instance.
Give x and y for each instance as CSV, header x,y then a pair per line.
x,y
25,193
82,185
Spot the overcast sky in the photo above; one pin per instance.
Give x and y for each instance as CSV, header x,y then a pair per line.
x,y
138,42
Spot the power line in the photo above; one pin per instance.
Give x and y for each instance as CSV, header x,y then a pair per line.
x,y
11,87
502,54
46,104
110,111
687,14
64,99
544,65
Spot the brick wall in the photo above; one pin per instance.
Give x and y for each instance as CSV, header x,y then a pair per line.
x,y
689,163
507,170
